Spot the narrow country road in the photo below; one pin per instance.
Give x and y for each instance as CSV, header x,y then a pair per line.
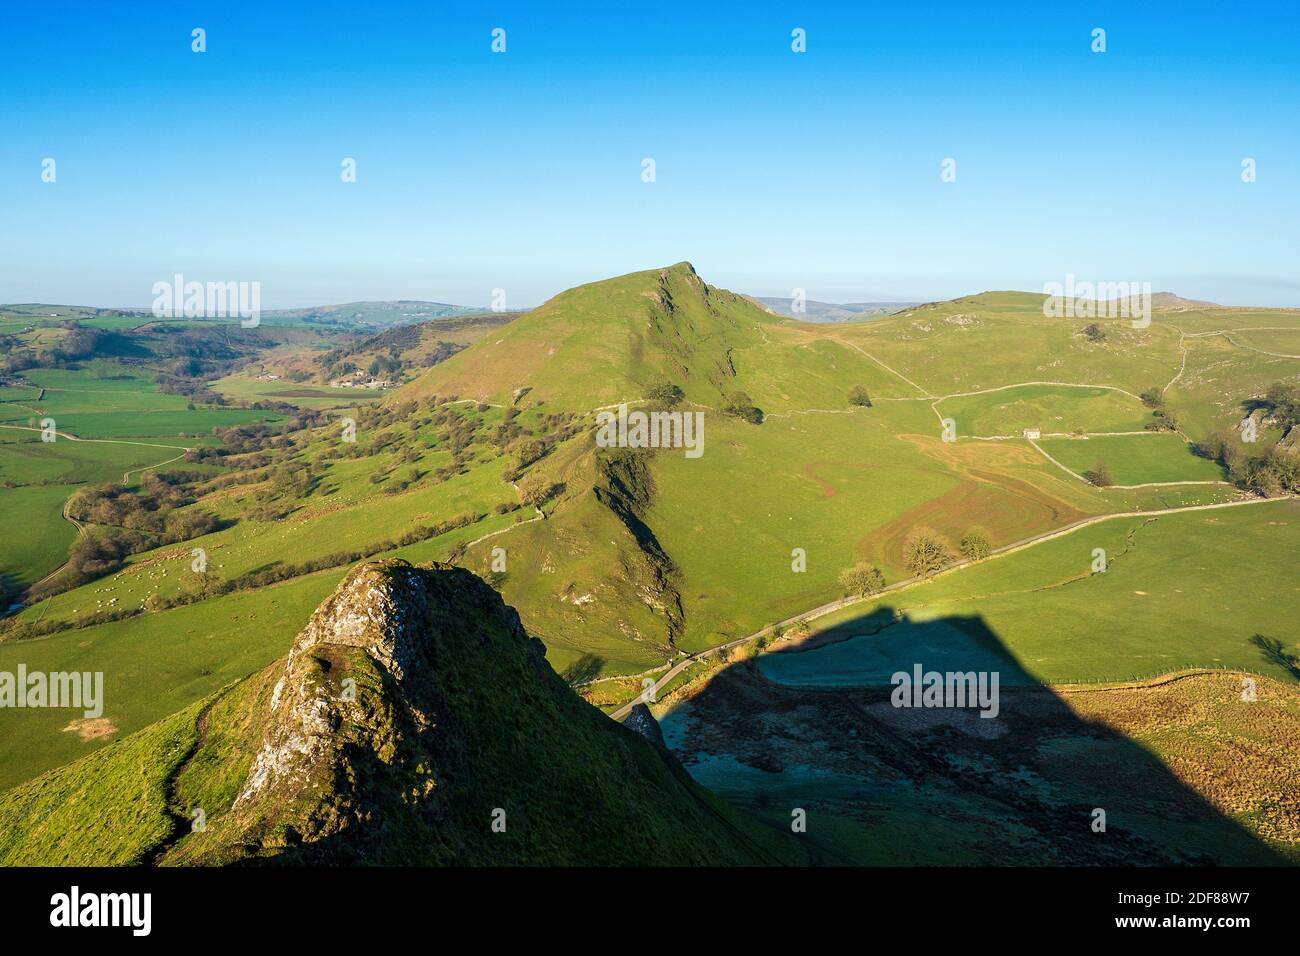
x,y
81,533
649,694
126,476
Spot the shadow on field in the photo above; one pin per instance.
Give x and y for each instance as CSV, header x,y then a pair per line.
x,y
585,668
1275,652
11,590
818,730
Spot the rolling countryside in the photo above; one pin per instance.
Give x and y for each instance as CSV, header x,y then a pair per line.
x,y
711,587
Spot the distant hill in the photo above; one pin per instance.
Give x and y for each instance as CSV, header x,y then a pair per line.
x,y
348,316
829,311
373,315
1169,301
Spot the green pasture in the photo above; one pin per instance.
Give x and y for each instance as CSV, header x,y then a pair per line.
x,y
1181,590
1049,408
103,401
1221,379
26,460
1003,338
106,811
153,665
1134,459
243,388
344,513
35,535
845,488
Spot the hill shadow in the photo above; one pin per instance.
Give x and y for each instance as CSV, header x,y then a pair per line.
x,y
821,730
11,591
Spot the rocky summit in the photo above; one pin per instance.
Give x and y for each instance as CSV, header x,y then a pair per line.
x,y
414,721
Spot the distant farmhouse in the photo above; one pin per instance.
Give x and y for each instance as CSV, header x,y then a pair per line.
x,y
1032,433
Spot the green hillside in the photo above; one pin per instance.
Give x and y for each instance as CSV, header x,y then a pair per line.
x,y
443,718
622,560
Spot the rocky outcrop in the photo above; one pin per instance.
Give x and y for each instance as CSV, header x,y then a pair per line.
x,y
379,610
415,722
640,720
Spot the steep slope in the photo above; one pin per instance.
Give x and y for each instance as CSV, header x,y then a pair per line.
x,y
608,341
413,722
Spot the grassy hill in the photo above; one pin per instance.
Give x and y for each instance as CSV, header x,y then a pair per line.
x,y
621,560
814,311
412,713
396,354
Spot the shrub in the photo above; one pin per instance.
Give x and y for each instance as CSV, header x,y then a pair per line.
x,y
1100,475
740,405
664,392
858,396
975,544
862,579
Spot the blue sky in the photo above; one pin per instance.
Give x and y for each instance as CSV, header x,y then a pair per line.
x,y
522,170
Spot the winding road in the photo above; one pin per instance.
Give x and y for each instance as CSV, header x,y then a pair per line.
x,y
650,693
126,476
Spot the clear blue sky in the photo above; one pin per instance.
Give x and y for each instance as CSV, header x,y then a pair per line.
x,y
523,170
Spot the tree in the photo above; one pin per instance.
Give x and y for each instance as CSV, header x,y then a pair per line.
x,y
1100,475
1165,421
1275,473
975,544
858,396
740,405
926,552
862,579
197,586
1094,333
1152,398
664,392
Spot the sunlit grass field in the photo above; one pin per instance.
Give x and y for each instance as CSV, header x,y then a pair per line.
x,y
249,389
844,489
1181,590
103,401
36,538
1135,459
1049,408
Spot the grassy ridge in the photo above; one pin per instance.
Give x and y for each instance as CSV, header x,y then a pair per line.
x,y
1003,338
